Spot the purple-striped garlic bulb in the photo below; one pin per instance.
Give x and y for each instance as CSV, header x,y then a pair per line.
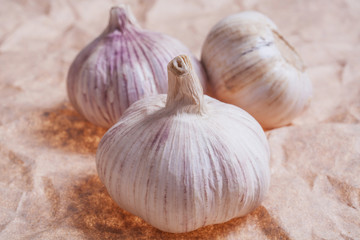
x,y
250,65
124,64
183,160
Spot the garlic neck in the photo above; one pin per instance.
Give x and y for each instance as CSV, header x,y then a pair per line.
x,y
121,18
185,93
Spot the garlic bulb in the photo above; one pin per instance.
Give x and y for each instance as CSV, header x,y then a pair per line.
x,y
184,160
249,64
121,66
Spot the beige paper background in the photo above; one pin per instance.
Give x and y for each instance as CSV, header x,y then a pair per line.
x,y
49,188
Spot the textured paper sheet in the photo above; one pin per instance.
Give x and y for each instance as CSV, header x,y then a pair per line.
x,y
49,188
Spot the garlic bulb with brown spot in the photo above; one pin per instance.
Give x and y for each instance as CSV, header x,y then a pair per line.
x,y
124,64
250,65
184,160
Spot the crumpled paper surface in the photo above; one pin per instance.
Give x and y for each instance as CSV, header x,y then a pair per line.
x,y
49,188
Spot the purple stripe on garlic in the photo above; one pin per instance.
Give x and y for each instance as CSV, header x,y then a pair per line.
x,y
124,64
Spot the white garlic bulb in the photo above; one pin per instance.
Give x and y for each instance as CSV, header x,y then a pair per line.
x,y
249,64
184,160
124,64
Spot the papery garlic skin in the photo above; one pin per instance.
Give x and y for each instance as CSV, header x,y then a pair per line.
x,y
249,64
183,161
124,64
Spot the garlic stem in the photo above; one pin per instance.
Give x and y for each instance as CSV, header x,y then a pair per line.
x,y
185,93
120,18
